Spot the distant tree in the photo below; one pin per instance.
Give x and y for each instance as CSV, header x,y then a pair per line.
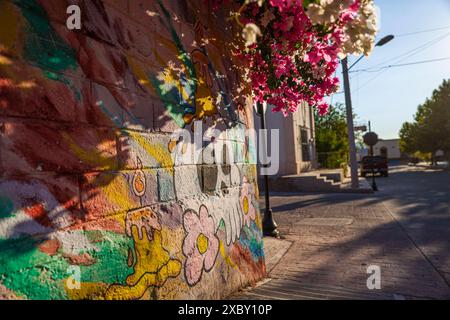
x,y
430,130
437,124
332,137
408,135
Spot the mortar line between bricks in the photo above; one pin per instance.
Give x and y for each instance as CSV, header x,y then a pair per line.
x,y
78,124
415,244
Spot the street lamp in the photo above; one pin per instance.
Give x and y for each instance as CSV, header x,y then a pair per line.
x,y
380,43
349,111
269,224
371,139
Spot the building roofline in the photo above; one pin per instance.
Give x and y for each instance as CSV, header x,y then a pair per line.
x,y
388,139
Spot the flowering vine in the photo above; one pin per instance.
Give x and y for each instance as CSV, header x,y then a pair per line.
x,y
292,47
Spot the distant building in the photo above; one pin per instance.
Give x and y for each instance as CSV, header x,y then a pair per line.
x,y
297,139
388,148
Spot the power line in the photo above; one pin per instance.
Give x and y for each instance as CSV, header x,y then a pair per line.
x,y
402,65
370,80
398,65
403,56
421,31
411,52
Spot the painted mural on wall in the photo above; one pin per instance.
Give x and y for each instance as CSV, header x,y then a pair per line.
x,y
96,201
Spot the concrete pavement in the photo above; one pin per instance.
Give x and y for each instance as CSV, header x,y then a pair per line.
x,y
404,230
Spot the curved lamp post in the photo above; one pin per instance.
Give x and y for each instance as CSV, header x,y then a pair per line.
x,y
349,111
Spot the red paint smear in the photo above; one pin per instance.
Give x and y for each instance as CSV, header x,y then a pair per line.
x,y
39,214
244,260
5,86
50,247
81,260
5,82
101,224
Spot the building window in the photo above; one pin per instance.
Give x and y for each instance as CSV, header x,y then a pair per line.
x,y
304,140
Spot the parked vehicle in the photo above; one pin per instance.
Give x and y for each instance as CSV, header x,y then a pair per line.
x,y
413,161
376,164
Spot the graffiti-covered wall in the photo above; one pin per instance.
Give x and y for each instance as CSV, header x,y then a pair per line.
x,y
100,196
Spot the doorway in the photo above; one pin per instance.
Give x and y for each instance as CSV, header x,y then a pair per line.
x,y
384,152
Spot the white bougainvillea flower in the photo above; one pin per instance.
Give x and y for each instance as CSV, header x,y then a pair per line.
x,y
250,33
259,2
359,34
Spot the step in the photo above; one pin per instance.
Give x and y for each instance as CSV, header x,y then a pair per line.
x,y
303,183
313,182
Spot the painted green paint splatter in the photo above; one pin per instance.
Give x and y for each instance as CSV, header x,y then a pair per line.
x,y
6,207
43,46
61,78
170,94
183,55
111,266
32,274
173,101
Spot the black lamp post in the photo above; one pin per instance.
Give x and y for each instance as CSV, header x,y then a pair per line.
x,y
269,224
371,139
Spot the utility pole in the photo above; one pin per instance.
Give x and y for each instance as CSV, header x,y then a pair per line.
x,y
349,109
350,126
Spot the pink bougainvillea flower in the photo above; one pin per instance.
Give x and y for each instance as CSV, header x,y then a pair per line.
x,y
200,245
248,209
323,108
295,56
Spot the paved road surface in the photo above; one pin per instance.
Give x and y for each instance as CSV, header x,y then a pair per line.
x,y
404,229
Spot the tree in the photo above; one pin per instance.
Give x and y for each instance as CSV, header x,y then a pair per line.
x,y
407,134
332,137
430,130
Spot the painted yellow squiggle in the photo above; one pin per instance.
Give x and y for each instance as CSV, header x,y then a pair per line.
x,y
225,256
140,74
92,157
152,268
9,20
157,151
87,291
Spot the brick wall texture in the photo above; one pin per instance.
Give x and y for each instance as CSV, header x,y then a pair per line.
x,y
100,196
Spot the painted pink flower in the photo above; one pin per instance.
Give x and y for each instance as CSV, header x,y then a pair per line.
x,y
200,245
247,207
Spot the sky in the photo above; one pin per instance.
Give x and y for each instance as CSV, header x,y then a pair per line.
x,y
389,98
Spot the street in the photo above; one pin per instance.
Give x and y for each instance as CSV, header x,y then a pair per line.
x,y
337,240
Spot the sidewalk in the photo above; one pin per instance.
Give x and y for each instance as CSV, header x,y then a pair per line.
x,y
334,238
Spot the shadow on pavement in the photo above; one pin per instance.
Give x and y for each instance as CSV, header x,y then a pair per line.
x,y
404,228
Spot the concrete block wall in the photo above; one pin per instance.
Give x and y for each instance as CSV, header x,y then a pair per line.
x,y
98,198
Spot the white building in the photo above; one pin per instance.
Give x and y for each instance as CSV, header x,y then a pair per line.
x,y
388,148
297,149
